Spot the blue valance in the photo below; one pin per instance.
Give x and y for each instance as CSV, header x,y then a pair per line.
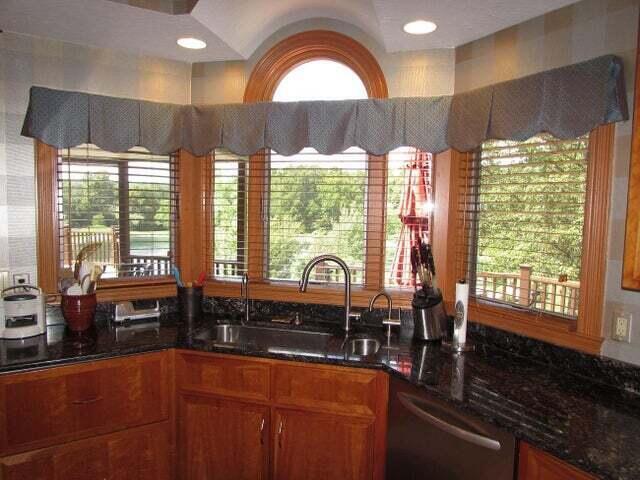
x,y
566,102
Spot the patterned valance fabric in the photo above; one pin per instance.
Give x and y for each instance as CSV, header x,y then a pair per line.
x,y
566,102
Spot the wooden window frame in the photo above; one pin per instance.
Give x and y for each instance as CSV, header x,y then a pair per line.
x,y
585,333
189,228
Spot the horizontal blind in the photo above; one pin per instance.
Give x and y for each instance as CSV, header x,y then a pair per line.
x,y
127,203
520,222
409,211
316,204
229,208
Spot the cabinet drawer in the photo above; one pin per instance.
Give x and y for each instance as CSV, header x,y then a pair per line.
x,y
332,389
138,454
62,404
221,375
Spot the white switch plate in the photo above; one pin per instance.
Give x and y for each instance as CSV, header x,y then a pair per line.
x,y
621,329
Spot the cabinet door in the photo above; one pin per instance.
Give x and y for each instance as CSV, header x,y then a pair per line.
x,y
136,454
537,465
222,439
317,446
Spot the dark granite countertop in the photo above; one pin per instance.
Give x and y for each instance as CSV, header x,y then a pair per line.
x,y
588,424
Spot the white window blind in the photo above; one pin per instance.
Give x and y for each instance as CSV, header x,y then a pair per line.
x,y
316,204
521,216
125,202
409,211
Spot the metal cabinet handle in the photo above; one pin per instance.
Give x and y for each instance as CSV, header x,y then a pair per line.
x,y
262,432
87,401
280,431
409,402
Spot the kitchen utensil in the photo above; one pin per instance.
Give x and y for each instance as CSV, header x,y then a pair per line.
x,y
176,274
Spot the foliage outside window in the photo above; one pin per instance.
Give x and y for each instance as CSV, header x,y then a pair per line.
x,y
524,215
125,202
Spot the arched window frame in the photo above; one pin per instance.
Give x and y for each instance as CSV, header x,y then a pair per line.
x,y
263,82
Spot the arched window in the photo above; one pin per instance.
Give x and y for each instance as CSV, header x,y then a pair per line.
x,y
273,213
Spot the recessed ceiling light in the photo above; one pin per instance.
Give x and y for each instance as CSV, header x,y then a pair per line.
x,y
420,27
192,43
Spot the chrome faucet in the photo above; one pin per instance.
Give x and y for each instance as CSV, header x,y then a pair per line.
x,y
244,293
389,322
304,281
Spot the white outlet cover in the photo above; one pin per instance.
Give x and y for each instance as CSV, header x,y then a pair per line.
x,y
621,328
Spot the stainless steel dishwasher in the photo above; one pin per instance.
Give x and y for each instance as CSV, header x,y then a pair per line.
x,y
427,439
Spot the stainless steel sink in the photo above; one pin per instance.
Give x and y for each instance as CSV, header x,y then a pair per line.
x,y
363,346
272,339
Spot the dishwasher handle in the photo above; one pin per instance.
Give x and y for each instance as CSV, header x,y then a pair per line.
x,y
409,402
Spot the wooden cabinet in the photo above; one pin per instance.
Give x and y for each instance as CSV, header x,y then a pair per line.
x,y
137,454
537,465
107,419
319,421
315,446
48,407
222,439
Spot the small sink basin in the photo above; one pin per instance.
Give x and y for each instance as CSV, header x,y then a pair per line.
x,y
363,346
226,333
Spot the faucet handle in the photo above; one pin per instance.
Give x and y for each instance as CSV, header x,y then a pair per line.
x,y
393,321
357,316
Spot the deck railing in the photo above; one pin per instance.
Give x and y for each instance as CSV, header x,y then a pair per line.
x,y
109,255
522,288
324,272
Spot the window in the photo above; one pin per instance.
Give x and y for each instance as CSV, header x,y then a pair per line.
x,y
124,204
409,211
314,204
523,210
229,200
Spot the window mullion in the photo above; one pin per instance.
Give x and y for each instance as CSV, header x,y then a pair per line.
x,y
258,174
375,222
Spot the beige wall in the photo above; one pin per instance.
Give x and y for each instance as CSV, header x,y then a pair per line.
x,y
27,61
419,73
579,32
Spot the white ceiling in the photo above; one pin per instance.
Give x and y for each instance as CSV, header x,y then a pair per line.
x,y
234,29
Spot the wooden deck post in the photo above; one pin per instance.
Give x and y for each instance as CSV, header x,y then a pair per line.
x,y
66,239
525,284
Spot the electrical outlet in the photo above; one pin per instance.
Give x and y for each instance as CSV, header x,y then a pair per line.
x,y
21,279
621,330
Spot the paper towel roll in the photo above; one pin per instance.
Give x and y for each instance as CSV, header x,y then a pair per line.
x,y
462,304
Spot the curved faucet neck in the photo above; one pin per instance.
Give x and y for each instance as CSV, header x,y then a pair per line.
x,y
306,272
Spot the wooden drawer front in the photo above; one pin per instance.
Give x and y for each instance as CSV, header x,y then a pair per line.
x,y
137,454
332,389
62,404
229,376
